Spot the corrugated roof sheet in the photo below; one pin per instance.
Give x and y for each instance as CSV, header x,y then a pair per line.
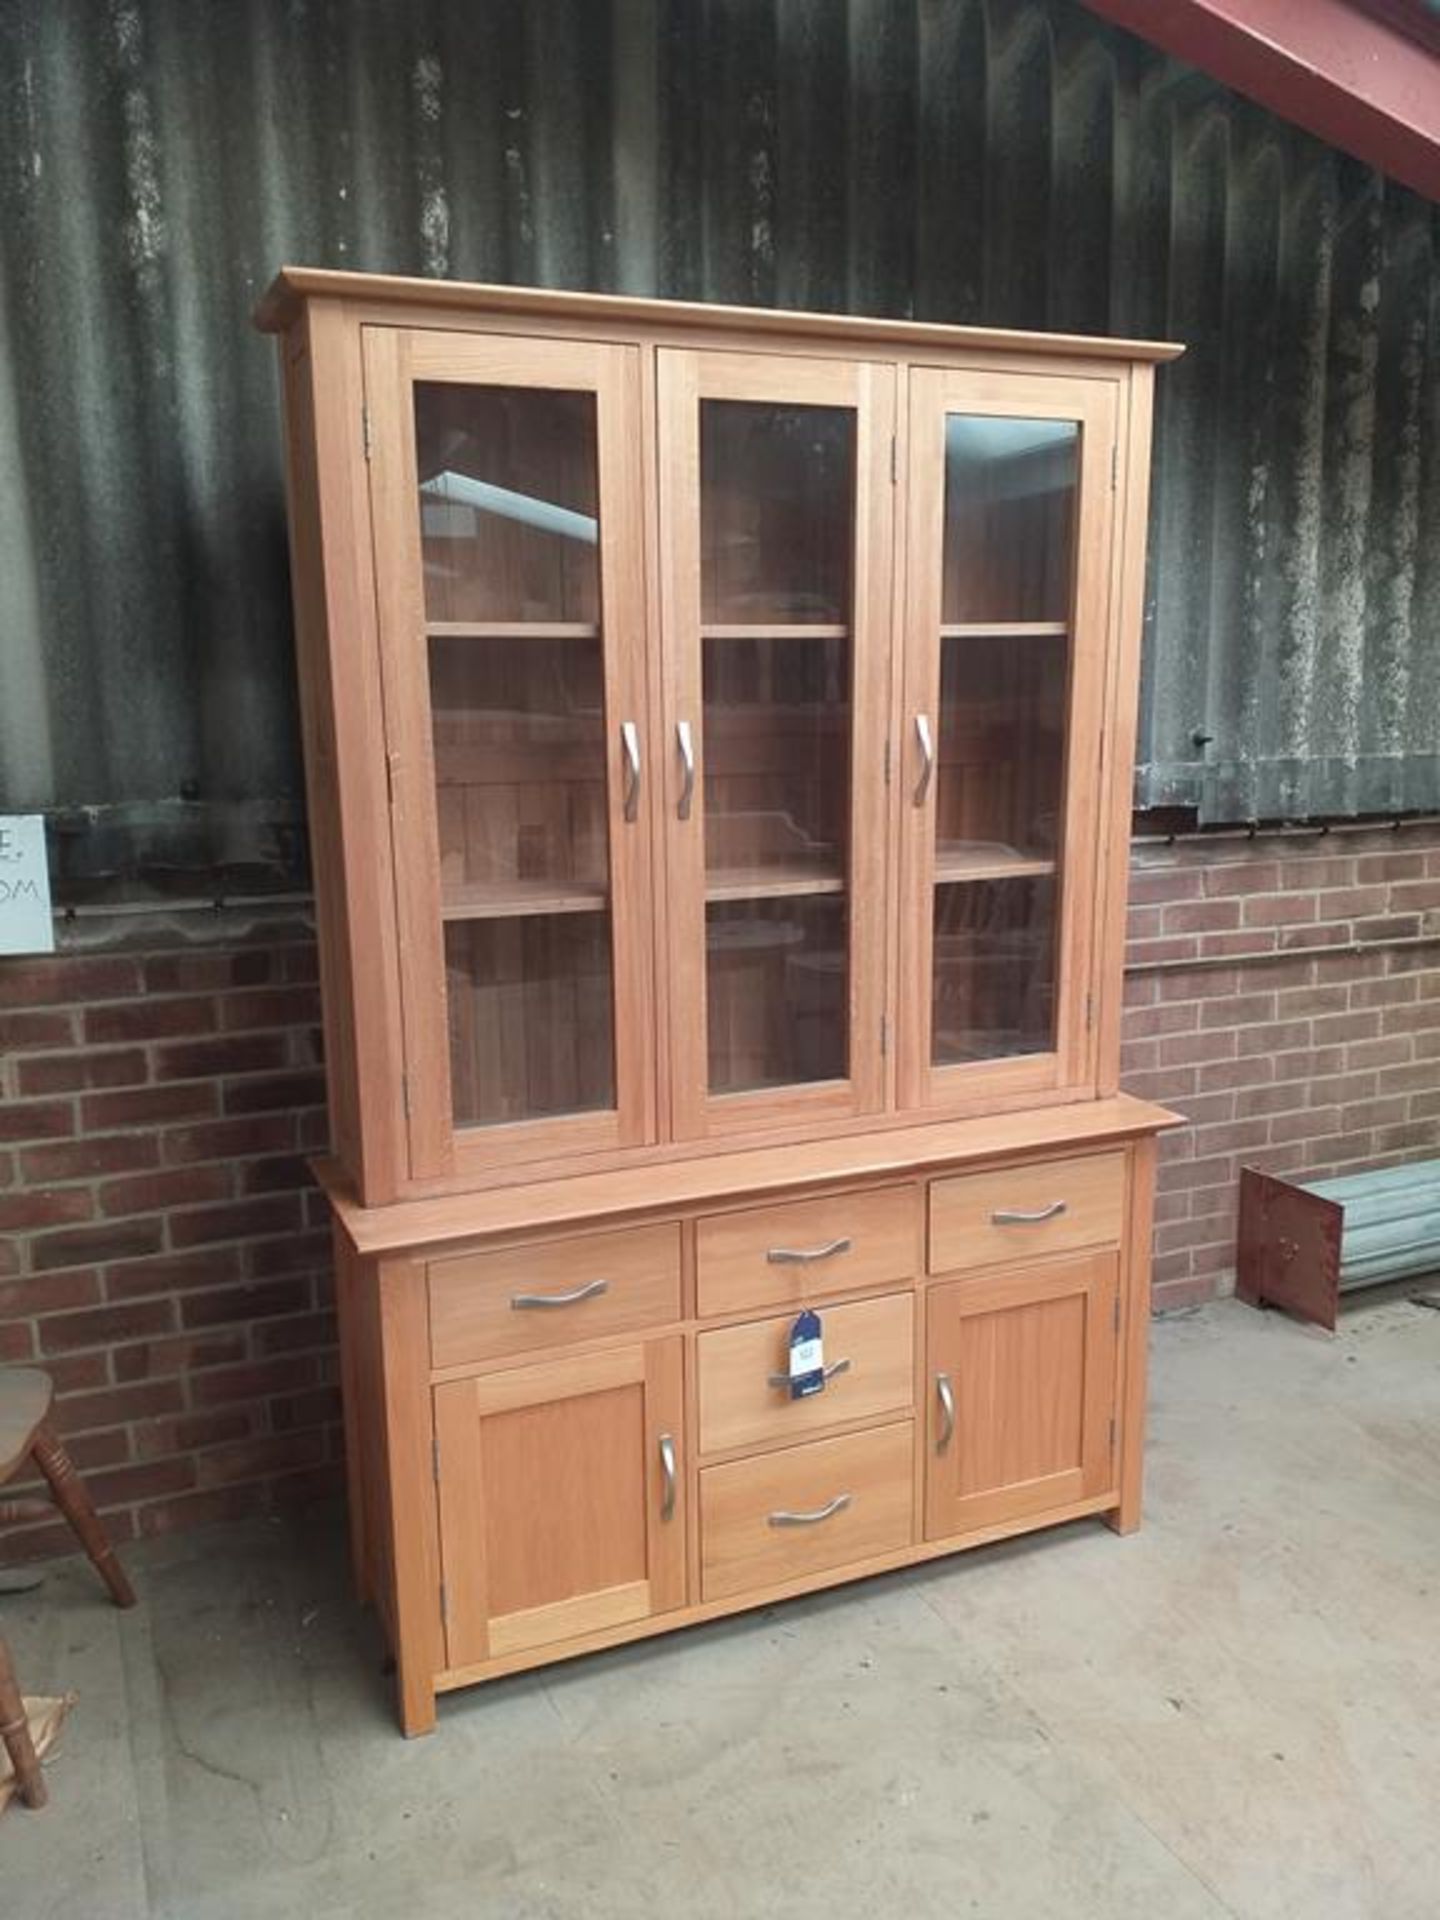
x,y
1004,161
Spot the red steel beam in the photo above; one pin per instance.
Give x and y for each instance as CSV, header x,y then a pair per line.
x,y
1356,79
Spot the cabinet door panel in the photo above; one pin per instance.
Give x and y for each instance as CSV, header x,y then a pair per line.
x,y
1021,1389
1007,614
507,531
776,528
562,1505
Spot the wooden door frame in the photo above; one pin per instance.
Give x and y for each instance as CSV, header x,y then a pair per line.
x,y
1096,403
684,377
394,360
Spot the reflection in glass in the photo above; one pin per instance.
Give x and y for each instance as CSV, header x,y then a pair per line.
x,y
776,972
508,504
530,1016
777,489
1001,767
1009,513
994,974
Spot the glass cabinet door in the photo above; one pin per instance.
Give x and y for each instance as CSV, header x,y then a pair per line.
x,y
775,499
1010,486
508,533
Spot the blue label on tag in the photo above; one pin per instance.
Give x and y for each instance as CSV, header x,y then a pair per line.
x,y
807,1357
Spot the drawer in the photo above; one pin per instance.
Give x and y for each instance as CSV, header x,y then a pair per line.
x,y
785,1255
486,1305
826,1504
981,1219
870,1341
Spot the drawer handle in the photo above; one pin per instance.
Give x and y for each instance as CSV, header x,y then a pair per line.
x,y
946,1395
1016,1217
802,1256
667,1473
827,1512
835,1367
630,744
685,742
591,1290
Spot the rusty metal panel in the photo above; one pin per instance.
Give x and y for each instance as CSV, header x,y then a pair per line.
x,y
1008,161
1287,1251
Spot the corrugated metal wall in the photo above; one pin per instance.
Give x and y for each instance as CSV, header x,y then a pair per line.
x,y
1006,161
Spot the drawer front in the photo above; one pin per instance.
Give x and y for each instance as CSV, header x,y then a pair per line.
x,y
785,1515
486,1305
1018,1213
785,1255
870,1343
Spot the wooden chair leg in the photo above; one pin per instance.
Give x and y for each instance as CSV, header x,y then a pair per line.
x,y
74,1502
15,1732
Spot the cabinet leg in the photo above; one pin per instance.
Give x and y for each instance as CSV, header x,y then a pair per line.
x,y
1126,1517
414,1702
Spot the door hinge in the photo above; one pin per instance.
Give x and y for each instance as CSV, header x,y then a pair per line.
x,y
894,459
884,1035
1114,464
1112,1435
365,429
405,1093
435,1458
444,1606
390,765
887,763
1117,1313
1089,1011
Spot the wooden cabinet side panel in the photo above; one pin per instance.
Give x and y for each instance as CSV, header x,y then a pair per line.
x,y
404,1344
1132,1359
342,718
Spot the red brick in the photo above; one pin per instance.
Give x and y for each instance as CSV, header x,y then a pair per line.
x,y
114,1406
318,1408
104,1326
1342,1087
264,1095
1157,886
229,1139
208,972
157,1192
188,1510
1387,1111
1279,909
142,1482
214,1059
148,1019
183,1432
85,1158
1205,983
30,1032
279,1007
1179,1296
148,1106
1273,1037
26,1209
301,963
1202,916
1393,1052
91,1246
1404,1138
1333,1028
1232,1136
9,1258
49,1293
1392,926
64,980
1250,876
1309,1123
1241,1010
297,1333
1295,1001
1254,1070
285,1373
175,1273
1142,953
1313,938
238,1220
91,1451
1249,943
247,1303
36,1119
1252,1101
1182,1049
1142,923
1390,866
1179,1016
281,1174
1164,1084
1346,903
16,1343
74,1072
153,1359
313,1130
242,1460
1308,1060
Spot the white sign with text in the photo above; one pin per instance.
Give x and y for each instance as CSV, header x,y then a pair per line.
x,y
25,922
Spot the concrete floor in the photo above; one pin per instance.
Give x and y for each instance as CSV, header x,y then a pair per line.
x,y
1232,1713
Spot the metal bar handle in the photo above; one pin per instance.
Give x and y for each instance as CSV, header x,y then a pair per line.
x,y
667,1470
827,1512
946,1395
1016,1217
835,1368
591,1290
630,744
927,757
685,742
802,1256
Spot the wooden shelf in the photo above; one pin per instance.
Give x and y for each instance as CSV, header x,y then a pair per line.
x,y
512,630
793,880
773,630
521,899
1004,630
957,865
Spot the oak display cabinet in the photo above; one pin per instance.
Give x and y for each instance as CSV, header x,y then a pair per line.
x,y
718,730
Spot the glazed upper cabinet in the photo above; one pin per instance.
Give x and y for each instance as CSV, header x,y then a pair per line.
x,y
707,721
776,516
1008,571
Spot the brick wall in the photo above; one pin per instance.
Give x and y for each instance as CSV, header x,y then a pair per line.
x,y
162,1253
1284,994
